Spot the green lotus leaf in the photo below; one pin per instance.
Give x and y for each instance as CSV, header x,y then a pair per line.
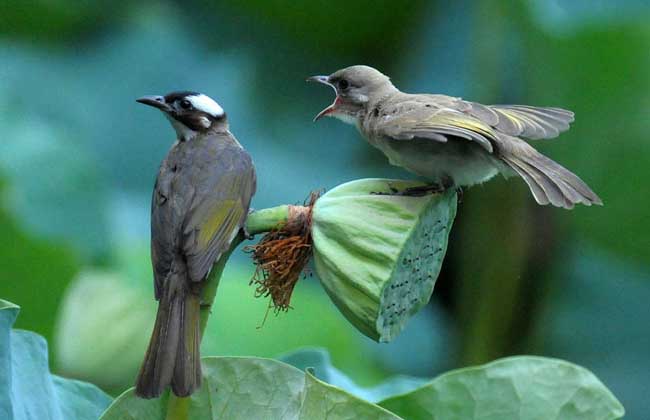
x,y
103,322
27,388
378,255
518,388
251,388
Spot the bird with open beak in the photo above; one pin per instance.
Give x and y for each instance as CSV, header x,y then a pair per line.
x,y
455,143
200,203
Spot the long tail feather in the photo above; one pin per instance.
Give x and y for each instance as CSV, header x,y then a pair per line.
x,y
173,354
549,182
187,371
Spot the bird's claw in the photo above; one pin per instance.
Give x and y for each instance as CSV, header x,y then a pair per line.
x,y
247,234
459,195
419,191
393,191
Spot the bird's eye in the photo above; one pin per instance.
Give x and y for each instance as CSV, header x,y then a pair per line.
x,y
343,84
185,104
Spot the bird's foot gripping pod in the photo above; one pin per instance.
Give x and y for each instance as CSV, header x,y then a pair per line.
x,y
377,256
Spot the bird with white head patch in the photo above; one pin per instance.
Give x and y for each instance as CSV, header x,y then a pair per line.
x,y
199,205
206,104
190,113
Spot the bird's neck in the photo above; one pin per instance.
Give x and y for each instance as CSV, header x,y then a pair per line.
x,y
381,96
376,101
185,133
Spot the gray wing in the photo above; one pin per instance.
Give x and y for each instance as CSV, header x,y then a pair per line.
x,y
433,117
438,117
164,227
199,209
529,122
219,209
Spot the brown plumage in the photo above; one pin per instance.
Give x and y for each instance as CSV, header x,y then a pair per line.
x,y
453,142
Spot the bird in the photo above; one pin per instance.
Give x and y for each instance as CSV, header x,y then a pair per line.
x,y
200,203
454,143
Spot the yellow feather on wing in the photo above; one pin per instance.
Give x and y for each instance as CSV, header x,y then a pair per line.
x,y
225,216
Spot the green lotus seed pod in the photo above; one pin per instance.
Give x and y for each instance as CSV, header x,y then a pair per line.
x,y
378,256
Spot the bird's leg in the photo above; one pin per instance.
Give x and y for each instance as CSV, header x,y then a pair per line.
x,y
459,194
244,230
247,235
422,190
393,191
434,188
419,191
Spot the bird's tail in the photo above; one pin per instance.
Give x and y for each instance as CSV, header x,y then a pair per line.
x,y
173,355
549,181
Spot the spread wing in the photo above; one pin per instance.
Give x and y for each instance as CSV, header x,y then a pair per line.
x,y
216,218
433,117
530,122
437,117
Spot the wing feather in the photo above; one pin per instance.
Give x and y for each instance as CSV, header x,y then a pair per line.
x,y
218,217
427,119
530,122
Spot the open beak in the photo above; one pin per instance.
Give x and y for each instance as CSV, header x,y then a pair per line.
x,y
325,80
154,101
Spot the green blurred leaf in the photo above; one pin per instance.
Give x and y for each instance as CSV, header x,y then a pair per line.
x,y
103,321
29,391
106,318
522,387
253,388
54,186
56,19
28,265
596,312
318,360
335,26
601,73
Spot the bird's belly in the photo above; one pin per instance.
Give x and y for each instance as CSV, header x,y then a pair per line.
x,y
463,162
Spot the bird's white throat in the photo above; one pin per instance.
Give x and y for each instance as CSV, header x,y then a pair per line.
x,y
346,118
183,132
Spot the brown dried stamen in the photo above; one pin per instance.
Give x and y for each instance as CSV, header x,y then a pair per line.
x,y
282,254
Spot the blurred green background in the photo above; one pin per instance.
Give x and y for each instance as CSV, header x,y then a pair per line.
x,y
78,158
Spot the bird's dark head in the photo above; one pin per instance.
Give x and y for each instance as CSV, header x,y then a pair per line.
x,y
190,113
355,87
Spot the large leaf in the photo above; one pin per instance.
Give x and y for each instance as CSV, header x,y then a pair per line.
x,y
523,387
29,391
590,301
319,363
254,388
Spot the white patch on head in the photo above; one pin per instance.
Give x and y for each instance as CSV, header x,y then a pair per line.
x,y
206,104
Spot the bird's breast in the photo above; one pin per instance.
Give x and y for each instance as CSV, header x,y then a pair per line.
x,y
466,163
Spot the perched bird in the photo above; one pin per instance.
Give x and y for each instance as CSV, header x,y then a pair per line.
x,y
452,142
200,203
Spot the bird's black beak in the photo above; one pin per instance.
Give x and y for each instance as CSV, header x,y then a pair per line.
x,y
325,80
154,101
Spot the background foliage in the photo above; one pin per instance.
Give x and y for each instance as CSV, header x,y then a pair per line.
x,y
78,157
